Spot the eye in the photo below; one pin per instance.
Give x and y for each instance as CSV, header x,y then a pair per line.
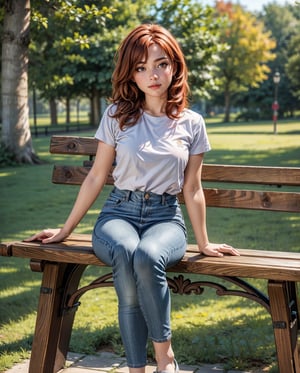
x,y
163,65
140,69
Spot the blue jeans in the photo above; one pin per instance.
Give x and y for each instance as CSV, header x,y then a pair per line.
x,y
140,234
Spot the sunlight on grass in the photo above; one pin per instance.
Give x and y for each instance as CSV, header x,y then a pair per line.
x,y
6,270
4,174
8,293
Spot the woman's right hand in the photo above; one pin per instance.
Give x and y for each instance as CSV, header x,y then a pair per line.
x,y
48,236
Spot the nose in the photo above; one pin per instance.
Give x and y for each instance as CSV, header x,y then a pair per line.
x,y
153,74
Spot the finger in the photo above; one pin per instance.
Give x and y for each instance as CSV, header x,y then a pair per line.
x,y
225,246
216,252
38,236
47,240
230,250
32,238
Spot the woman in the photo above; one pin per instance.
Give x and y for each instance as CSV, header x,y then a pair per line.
x,y
157,145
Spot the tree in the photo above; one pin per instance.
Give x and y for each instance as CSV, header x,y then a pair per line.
x,y
16,135
15,123
282,23
70,70
293,65
243,64
197,30
93,69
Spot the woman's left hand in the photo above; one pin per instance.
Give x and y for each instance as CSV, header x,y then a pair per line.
x,y
215,249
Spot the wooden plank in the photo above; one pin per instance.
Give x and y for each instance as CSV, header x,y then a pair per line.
x,y
227,198
252,174
262,269
253,199
72,175
47,327
254,264
5,249
287,352
73,145
211,172
193,248
81,244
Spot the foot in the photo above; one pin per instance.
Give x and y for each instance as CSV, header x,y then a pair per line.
x,y
176,369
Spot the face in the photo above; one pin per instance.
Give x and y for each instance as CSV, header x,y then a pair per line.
x,y
154,76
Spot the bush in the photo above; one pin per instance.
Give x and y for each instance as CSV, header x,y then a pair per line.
x,y
7,158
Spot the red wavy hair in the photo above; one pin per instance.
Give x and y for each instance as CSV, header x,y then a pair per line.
x,y
129,99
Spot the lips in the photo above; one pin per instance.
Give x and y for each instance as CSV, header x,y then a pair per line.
x,y
154,86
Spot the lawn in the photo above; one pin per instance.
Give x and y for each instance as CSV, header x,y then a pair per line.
x,y
233,331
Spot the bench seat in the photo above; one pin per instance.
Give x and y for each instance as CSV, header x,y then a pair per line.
x,y
77,249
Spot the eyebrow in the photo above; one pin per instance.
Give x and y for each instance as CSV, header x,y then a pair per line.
x,y
156,60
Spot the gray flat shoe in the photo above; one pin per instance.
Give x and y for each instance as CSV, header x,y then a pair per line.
x,y
176,369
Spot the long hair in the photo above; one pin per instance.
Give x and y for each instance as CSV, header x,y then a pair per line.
x,y
129,99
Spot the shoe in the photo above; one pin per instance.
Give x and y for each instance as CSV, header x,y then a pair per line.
x,y
176,369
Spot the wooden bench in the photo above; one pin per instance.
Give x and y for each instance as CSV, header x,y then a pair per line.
x,y
63,264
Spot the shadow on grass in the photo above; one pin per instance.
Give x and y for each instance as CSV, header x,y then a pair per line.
x,y
240,342
284,157
19,288
15,308
239,337
237,342
287,133
20,346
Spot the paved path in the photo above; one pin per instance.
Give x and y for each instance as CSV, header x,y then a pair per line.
x,y
108,362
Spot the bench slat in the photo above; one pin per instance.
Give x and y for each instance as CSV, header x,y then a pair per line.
x,y
253,200
73,145
229,198
211,172
252,174
252,263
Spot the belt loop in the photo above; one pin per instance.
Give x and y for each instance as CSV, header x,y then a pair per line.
x,y
163,199
128,194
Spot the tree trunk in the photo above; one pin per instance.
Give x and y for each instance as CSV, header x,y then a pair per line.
x,y
227,105
53,112
16,134
68,110
95,107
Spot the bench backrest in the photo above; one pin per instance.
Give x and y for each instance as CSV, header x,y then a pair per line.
x,y
245,187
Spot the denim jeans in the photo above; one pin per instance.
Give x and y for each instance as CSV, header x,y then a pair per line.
x,y
140,234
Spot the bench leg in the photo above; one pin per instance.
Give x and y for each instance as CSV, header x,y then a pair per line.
x,y
284,313
53,325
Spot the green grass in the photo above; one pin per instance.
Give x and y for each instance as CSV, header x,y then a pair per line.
x,y
231,330
44,119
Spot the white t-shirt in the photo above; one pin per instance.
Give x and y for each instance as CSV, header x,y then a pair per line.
x,y
153,154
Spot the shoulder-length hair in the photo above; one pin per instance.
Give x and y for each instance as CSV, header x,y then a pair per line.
x,y
129,99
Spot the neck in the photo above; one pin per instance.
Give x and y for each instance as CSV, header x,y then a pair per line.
x,y
156,108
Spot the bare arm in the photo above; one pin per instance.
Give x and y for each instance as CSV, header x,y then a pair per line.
x,y
90,189
196,207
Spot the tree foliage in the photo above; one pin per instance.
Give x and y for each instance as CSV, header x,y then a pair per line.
x,y
198,31
58,46
282,23
77,68
244,63
87,71
293,64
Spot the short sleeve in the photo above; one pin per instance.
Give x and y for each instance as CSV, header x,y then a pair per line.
x,y
106,131
200,143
